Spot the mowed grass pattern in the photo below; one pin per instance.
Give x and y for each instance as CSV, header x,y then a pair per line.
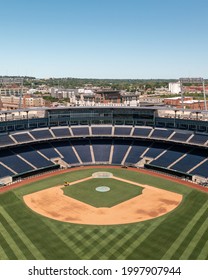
x,y
180,234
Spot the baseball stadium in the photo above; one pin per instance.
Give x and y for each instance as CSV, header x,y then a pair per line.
x,y
104,183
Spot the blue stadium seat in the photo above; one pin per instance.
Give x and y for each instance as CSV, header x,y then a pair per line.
x,y
142,131
32,156
170,156
120,149
83,149
101,149
199,139
156,148
161,133
181,136
193,158
4,172
65,148
122,130
41,134
61,131
14,162
5,140
138,148
101,130
79,131
201,170
22,137
46,149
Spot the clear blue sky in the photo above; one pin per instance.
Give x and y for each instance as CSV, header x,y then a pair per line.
x,y
104,38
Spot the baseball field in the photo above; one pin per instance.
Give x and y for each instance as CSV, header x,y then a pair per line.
x,y
129,214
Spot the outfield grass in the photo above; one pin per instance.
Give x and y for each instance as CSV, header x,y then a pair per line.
x,y
180,234
119,192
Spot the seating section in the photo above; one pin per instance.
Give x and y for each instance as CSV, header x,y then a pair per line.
x,y
201,170
137,149
65,148
101,149
61,131
46,149
4,172
104,130
120,149
180,136
122,130
155,149
192,159
26,154
142,132
5,140
22,137
14,162
170,156
161,133
79,131
41,134
30,155
83,149
199,139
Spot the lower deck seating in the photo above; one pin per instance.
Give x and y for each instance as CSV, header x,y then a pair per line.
x,y
83,149
65,149
31,155
156,148
14,162
4,172
192,159
101,149
170,156
137,149
120,149
46,149
201,170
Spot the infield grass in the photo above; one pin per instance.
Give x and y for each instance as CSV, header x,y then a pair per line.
x,y
86,192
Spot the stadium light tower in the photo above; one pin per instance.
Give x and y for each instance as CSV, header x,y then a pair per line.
x,y
194,81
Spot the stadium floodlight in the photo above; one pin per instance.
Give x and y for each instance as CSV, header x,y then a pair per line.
x,y
193,81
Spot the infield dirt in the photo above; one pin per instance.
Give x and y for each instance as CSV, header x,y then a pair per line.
x,y
152,203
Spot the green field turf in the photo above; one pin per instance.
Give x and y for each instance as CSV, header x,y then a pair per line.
x,y
180,234
119,192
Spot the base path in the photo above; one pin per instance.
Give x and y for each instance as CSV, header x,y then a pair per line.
x,y
152,203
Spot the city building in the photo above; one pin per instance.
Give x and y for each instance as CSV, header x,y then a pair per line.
x,y
174,88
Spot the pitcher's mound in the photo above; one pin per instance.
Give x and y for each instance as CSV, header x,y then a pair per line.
x,y
102,189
